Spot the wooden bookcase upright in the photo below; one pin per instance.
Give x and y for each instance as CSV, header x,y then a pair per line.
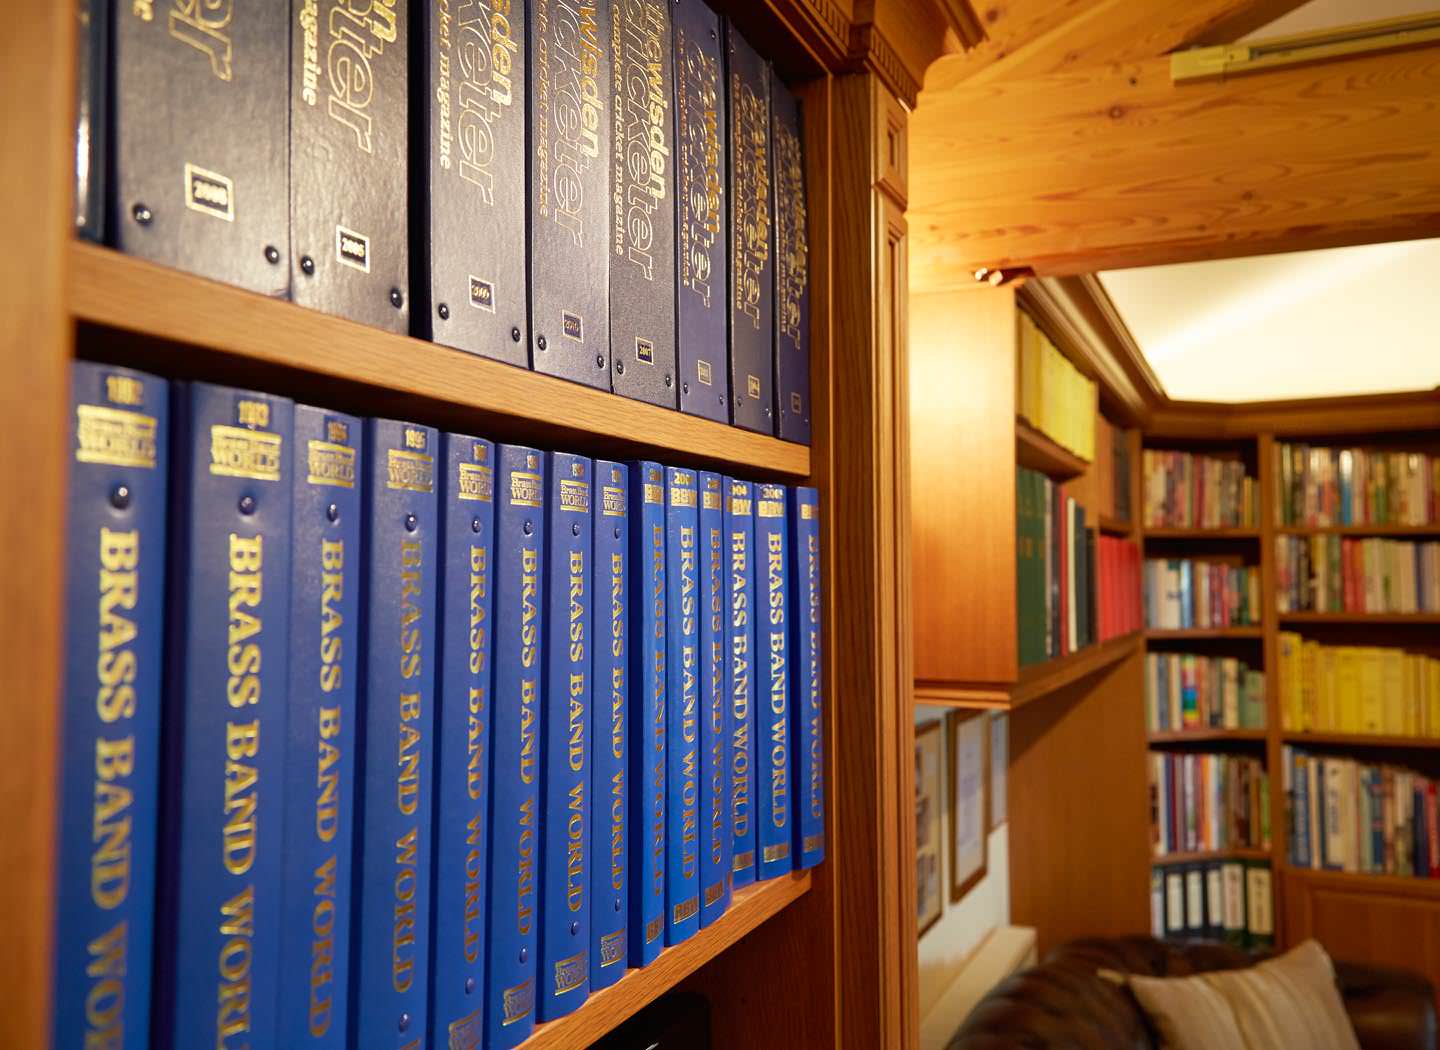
x,y
837,939
1362,918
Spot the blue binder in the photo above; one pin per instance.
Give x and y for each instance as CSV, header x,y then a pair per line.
x,y
682,718
773,711
714,711
808,697
740,676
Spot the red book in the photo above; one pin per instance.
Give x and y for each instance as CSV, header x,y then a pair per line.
x,y
1432,830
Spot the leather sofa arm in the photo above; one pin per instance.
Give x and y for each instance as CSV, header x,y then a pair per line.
x,y
1390,1009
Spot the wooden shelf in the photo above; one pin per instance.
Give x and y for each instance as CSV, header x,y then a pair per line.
x,y
1036,451
1359,617
608,1008
1358,530
1115,526
1199,736
1362,740
1041,679
1201,534
1156,634
1218,854
241,335
1358,882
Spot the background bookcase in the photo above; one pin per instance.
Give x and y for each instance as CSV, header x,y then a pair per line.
x,y
858,68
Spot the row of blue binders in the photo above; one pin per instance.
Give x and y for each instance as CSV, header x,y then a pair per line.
x,y
376,736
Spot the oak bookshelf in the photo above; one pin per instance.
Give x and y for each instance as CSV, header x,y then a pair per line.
x,y
858,74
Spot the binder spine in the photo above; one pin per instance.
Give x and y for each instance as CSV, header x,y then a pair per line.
x,y
649,651
792,267
682,720
326,472
611,601
714,713
773,713
807,715
511,931
110,707
225,708
740,676
566,739
396,747
463,712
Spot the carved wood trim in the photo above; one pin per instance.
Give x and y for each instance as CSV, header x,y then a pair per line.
x,y
870,50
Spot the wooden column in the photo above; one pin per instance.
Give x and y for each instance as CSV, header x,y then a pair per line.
x,y
36,181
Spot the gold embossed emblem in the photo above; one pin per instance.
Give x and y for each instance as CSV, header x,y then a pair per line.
x,y
410,471
476,482
612,501
114,436
574,495
237,452
524,489
327,463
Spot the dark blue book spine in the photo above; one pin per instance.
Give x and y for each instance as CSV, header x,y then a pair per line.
x,y
648,739
110,750
752,237
773,717
565,739
740,676
222,788
511,931
714,711
462,742
396,767
808,705
320,733
610,862
792,266
92,131
701,235
682,717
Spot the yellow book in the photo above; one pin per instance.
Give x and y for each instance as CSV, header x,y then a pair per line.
x,y
1347,688
1289,680
1415,694
1309,709
1392,692
1372,717
1432,693
1326,697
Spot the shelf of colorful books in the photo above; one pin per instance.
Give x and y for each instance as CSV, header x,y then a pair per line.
x,y
1397,619
1161,533
1156,634
1038,452
1207,736
1303,739
1359,882
1358,530
608,1008
1044,678
1238,853
190,326
1112,526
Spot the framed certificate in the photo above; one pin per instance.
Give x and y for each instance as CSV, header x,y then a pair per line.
x,y
929,800
969,755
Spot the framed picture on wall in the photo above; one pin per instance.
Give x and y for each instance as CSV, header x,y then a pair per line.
x,y
969,760
929,785
999,765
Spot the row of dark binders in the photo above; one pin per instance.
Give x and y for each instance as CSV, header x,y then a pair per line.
x,y
611,193
376,736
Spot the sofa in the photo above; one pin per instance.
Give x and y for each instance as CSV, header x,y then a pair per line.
x,y
1062,1003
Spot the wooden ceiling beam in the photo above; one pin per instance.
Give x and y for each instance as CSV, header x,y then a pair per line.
x,y
1116,166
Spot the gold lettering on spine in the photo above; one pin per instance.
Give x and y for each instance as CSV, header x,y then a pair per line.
x,y
529,697
237,928
407,782
779,744
617,721
740,671
575,866
817,753
327,788
471,920
792,249
105,1002
699,167
689,723
359,31
569,95
205,26
641,119
657,717
715,556
750,225
485,59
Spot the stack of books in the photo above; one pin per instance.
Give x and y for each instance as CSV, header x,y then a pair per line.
x,y
1330,573
1348,815
371,729
1356,486
614,194
1184,691
1052,395
1205,803
1184,490
1181,594
1357,689
1073,586
1229,901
